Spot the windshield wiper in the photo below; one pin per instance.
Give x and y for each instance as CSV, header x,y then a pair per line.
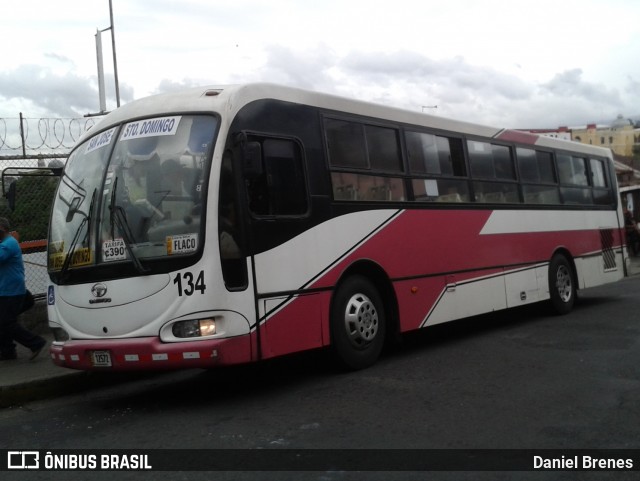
x,y
86,220
118,218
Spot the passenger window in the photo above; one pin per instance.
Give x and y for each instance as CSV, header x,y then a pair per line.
x,y
423,153
576,195
535,166
431,154
360,187
572,170
440,190
280,189
502,162
383,148
602,197
490,161
527,165
346,144
545,165
496,192
597,173
360,146
541,194
602,194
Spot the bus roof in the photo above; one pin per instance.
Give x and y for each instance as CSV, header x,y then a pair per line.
x,y
229,99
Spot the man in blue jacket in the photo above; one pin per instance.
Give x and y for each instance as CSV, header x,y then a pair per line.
x,y
12,292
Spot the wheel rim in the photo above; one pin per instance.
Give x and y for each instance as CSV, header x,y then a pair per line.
x,y
361,320
564,283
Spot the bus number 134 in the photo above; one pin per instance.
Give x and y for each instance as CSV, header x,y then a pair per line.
x,y
186,286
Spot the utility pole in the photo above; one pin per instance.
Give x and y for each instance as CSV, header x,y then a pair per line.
x,y
101,89
115,62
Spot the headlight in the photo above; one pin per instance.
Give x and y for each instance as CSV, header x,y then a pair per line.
x,y
195,328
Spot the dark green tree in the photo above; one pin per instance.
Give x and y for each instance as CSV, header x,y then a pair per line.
x,y
34,197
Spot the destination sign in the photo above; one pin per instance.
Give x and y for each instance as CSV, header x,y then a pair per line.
x,y
100,140
151,128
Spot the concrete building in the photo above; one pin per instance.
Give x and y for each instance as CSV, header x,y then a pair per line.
x,y
621,136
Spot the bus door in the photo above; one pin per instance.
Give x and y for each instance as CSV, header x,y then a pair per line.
x,y
237,295
277,204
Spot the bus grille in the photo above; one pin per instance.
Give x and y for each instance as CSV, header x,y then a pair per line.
x,y
608,255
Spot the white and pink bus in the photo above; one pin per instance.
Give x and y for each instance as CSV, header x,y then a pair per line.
x,y
233,224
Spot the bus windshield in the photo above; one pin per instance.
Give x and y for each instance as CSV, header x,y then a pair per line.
x,y
133,192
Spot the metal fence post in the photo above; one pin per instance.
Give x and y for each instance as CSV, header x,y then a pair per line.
x,y
24,144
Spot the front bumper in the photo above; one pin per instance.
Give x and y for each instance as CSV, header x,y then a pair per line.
x,y
149,353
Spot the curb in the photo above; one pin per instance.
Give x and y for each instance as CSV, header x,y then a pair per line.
x,y
66,383
45,388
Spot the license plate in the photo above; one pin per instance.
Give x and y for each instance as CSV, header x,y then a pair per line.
x,y
101,358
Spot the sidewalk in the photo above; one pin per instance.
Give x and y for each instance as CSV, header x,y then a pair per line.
x,y
23,380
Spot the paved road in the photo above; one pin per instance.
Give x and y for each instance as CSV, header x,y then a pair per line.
x,y
517,379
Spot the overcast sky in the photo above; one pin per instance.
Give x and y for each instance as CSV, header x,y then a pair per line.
x,y
505,63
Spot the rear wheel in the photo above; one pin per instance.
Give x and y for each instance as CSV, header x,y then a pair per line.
x,y
358,323
562,284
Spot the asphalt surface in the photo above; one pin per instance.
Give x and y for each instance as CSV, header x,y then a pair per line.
x,y
22,380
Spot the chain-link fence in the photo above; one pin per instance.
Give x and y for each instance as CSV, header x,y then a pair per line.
x,y
32,191
32,154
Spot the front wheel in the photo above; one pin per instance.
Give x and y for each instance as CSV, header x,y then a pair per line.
x,y
358,323
562,284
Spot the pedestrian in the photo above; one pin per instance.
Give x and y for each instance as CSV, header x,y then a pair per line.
x,y
12,293
631,228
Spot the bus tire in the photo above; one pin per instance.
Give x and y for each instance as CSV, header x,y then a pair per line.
x,y
358,324
562,285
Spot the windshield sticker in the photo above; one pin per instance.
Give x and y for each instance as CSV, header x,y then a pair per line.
x,y
182,244
114,250
100,140
80,257
151,128
56,247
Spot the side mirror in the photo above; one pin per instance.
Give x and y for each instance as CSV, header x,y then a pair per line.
x,y
73,209
252,159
